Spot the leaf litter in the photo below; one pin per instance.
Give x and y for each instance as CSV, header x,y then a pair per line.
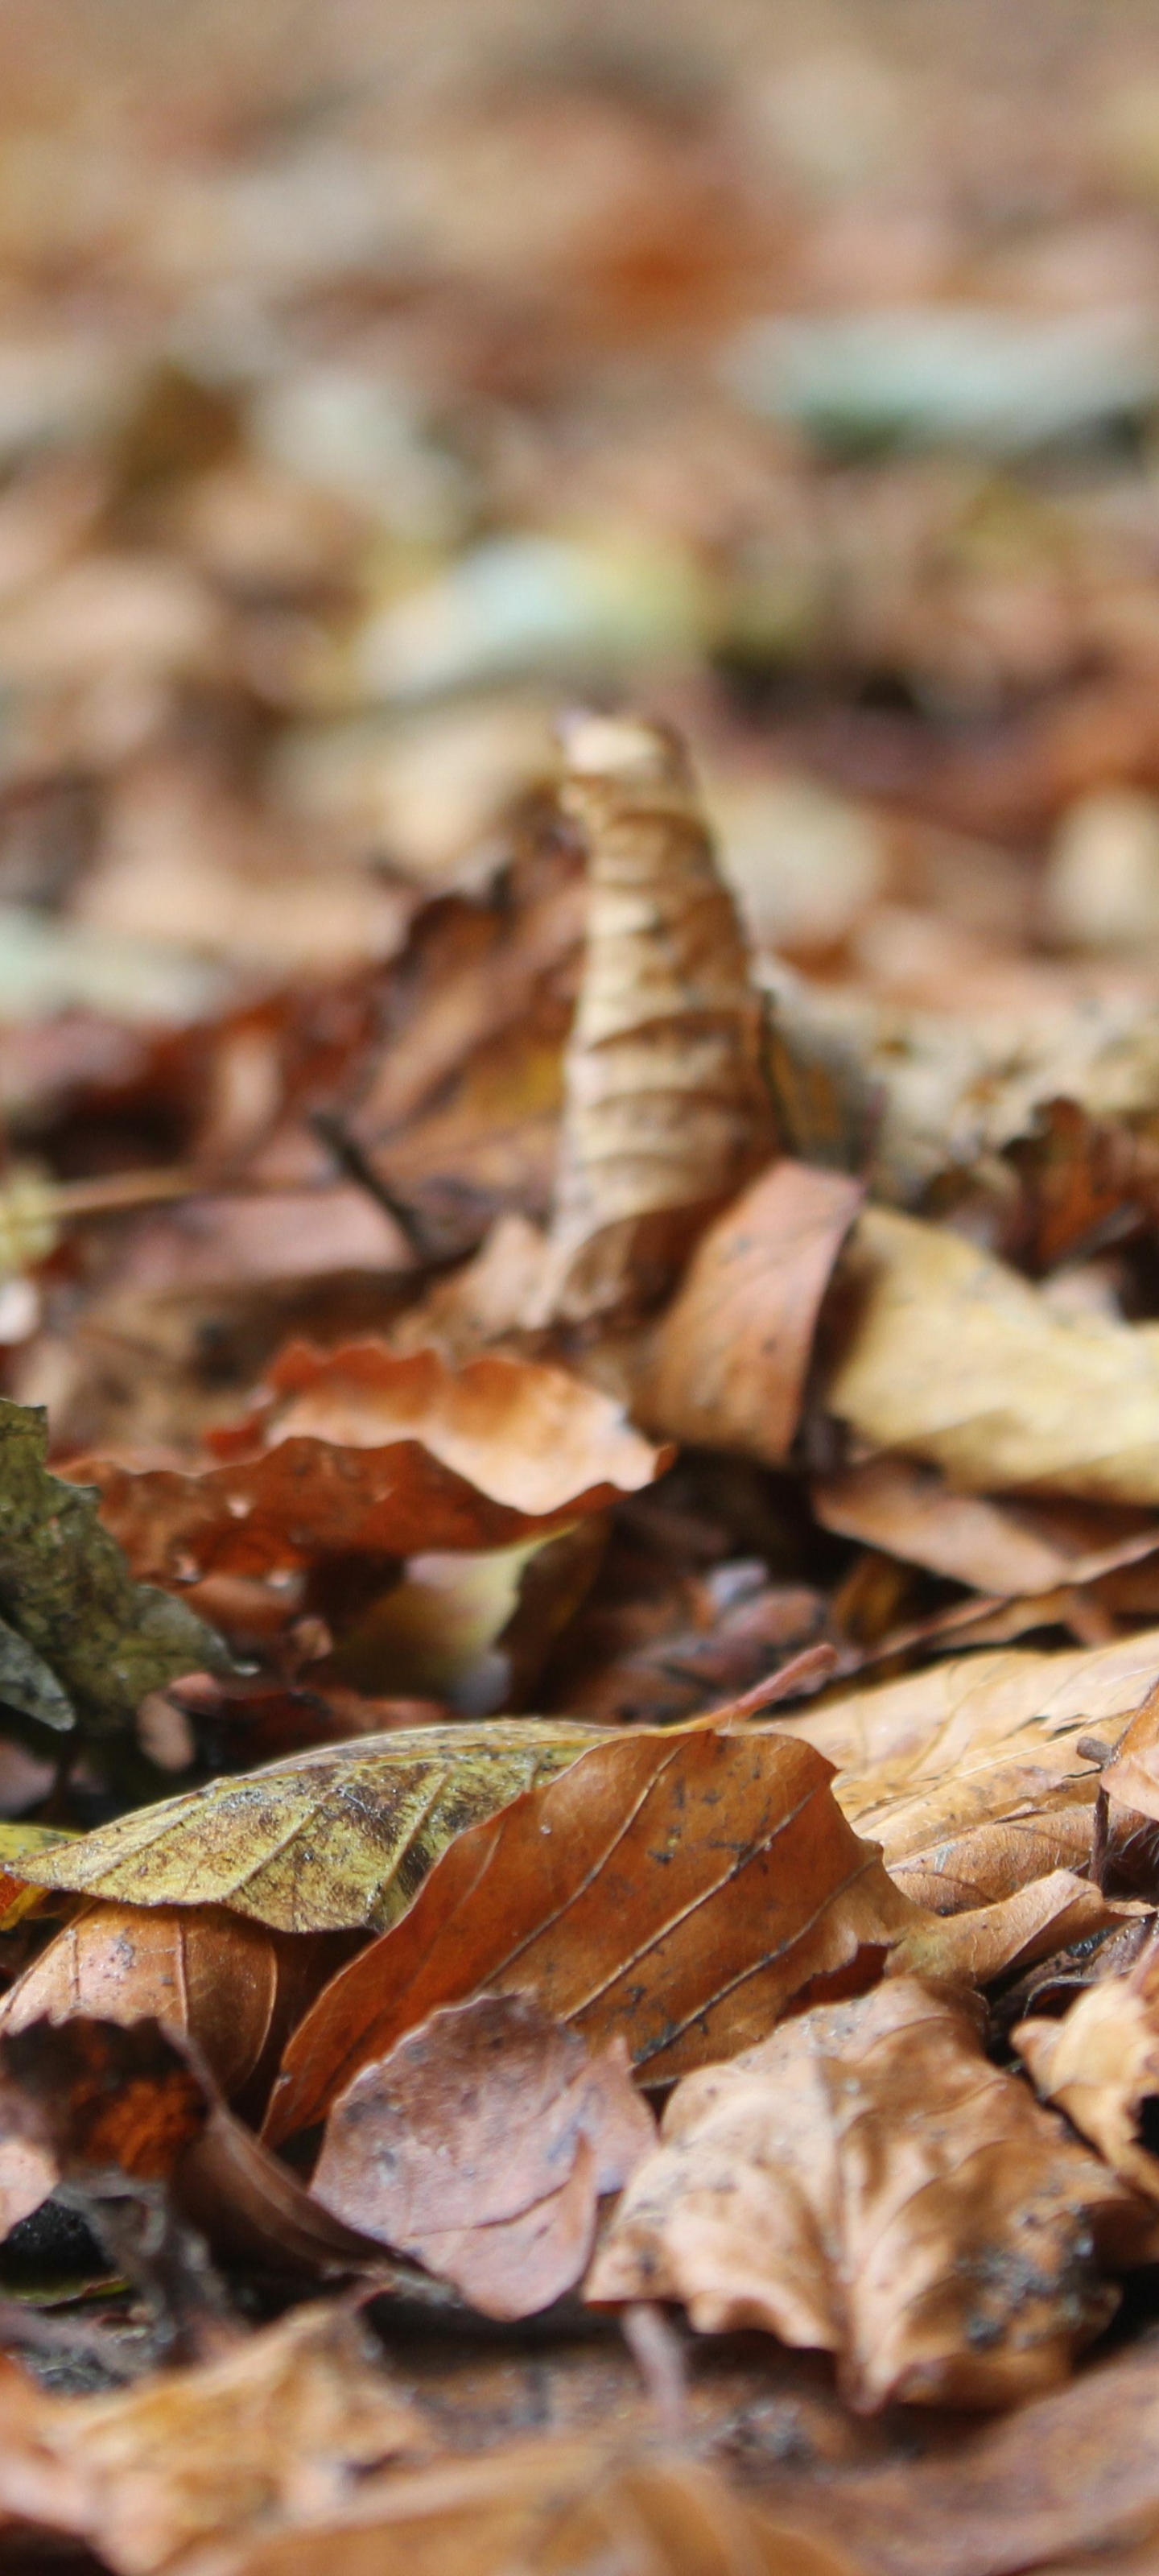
x,y
579,910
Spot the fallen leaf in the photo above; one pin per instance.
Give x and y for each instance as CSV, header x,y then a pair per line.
x,y
1084,1182
542,2128
1010,1934
666,1112
281,2428
1005,1549
952,1357
16,1897
80,1642
971,1775
232,1987
337,1839
1131,1777
728,1365
358,1451
680,1888
1100,2064
865,2182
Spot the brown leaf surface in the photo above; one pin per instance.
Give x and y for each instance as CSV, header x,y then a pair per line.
x,y
1100,2064
970,1774
865,2182
666,1110
1131,1778
728,1365
282,2428
540,2127
955,1359
358,1451
336,1839
677,1888
1005,1549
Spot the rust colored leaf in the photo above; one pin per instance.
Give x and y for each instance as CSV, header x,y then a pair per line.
x,y
92,2096
1100,2064
730,1358
1084,1182
358,1451
666,1111
482,2145
980,1775
679,1888
866,2182
282,2427
336,1839
957,1360
232,1987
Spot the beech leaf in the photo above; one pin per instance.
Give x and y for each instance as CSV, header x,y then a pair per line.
x,y
1100,2064
866,2183
680,1888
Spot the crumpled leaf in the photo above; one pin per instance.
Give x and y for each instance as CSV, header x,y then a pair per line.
x,y
666,1111
681,1887
541,2127
80,1641
864,2182
955,1359
358,1451
284,2425
728,1365
1100,2064
973,1775
336,1839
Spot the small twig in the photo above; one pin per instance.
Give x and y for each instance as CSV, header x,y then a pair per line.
x,y
333,1132
813,1664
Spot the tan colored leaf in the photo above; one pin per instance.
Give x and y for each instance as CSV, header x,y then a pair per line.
x,y
538,2126
1003,1548
1131,1779
232,1987
283,2427
955,1359
666,1110
678,1887
337,1839
728,1365
357,1450
865,2182
1011,1934
970,1774
1100,2064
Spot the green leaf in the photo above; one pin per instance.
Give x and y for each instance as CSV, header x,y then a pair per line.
x,y
80,1643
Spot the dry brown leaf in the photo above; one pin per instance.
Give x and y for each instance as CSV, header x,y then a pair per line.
x,y
359,1451
232,1987
1006,1549
481,2145
1010,1934
865,2182
1131,1778
282,2428
1100,2064
952,1357
728,1365
970,1774
680,1888
667,1112
337,1839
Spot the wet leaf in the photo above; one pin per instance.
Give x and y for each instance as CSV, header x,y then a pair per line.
x,y
80,1641
337,1839
865,2182
680,1889
357,1451
666,1112
542,2127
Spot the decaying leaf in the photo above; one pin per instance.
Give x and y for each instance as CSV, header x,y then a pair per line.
x,y
729,1362
865,2182
679,1888
538,2126
666,1110
282,2428
338,1839
1100,2064
973,1775
80,1641
952,1357
359,1451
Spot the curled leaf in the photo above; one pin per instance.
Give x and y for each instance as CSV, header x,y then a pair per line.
x,y
680,1888
1100,2064
666,1110
866,2183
